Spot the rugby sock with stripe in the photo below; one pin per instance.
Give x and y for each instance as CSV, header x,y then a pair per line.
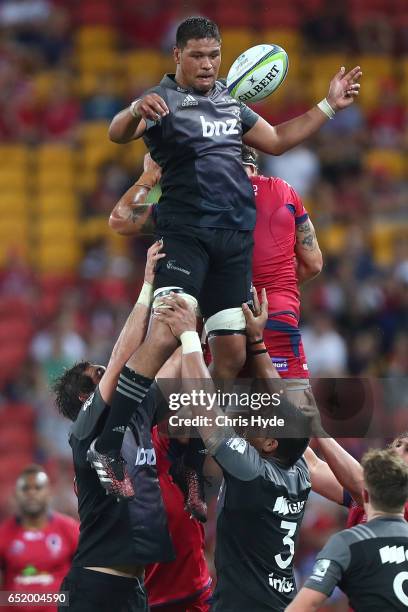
x,y
130,392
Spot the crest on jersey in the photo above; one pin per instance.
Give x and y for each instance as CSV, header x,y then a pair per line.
x,y
54,543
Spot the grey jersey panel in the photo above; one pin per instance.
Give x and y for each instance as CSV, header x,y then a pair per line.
x,y
370,564
198,146
261,507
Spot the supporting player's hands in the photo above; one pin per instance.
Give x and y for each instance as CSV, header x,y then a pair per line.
x,y
151,169
256,321
344,88
152,106
179,315
311,411
153,256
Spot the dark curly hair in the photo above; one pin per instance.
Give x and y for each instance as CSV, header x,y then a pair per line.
x,y
196,28
69,386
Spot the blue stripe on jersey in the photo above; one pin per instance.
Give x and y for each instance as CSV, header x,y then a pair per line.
x,y
291,208
291,330
301,219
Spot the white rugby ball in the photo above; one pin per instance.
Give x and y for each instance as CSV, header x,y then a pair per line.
x,y
257,72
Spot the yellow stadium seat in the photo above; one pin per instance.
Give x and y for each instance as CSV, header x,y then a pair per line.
x,y
50,155
376,66
289,39
370,93
150,63
14,203
234,42
14,155
95,154
384,236
13,177
88,82
94,132
325,66
95,37
59,177
98,60
332,239
55,229
88,180
391,161
63,256
94,228
13,230
59,204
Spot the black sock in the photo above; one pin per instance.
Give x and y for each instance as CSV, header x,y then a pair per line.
x,y
130,392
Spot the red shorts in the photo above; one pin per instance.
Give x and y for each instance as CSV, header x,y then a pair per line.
x,y
284,343
200,603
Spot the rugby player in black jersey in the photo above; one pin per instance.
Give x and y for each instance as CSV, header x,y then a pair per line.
x,y
118,537
194,130
368,562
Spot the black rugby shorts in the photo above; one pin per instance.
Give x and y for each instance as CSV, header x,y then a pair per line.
x,y
214,265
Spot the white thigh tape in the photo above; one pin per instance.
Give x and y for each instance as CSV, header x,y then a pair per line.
x,y
165,291
230,319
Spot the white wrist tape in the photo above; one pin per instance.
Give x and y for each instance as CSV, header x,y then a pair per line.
x,y
133,112
190,342
326,108
146,295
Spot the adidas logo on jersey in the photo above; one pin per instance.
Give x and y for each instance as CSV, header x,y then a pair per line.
x,y
284,506
189,101
282,585
393,554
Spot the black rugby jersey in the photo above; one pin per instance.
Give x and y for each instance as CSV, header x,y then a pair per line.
x,y
123,533
198,146
261,507
369,563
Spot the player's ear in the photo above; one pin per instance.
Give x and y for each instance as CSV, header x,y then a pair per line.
x,y
176,54
270,445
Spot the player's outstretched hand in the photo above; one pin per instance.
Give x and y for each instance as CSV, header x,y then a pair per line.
x,y
311,411
256,321
152,169
153,256
152,106
179,315
344,88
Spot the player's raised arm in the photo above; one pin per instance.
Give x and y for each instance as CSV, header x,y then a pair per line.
x,y
275,140
134,330
345,468
131,216
131,122
322,478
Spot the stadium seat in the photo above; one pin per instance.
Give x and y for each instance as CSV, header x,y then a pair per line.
x,y
376,66
94,12
59,204
50,155
332,239
229,15
384,236
57,257
58,177
132,154
94,228
56,229
287,38
95,37
14,155
150,63
391,161
14,203
96,153
234,42
17,413
284,15
98,60
94,132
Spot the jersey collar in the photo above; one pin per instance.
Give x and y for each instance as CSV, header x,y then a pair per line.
x,y
169,81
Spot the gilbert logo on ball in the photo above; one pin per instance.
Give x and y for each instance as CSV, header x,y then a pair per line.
x,y
257,73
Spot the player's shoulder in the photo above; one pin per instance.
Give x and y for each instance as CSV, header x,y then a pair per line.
x,y
64,522
8,526
88,416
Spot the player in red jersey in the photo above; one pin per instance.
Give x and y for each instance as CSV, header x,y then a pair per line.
x,y
286,254
183,585
37,545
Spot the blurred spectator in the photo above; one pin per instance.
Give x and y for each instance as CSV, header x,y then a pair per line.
x,y
299,167
36,545
329,29
389,119
104,102
24,12
325,349
62,111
